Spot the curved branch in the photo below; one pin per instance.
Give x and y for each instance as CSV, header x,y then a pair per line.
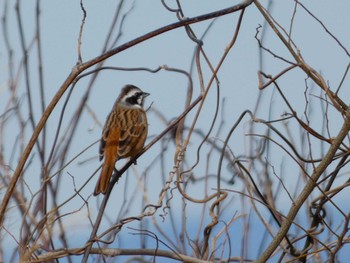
x,y
80,68
114,252
310,185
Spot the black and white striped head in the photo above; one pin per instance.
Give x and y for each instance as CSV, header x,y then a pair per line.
x,y
132,96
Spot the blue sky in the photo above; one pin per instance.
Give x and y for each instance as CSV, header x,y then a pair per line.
x,y
238,77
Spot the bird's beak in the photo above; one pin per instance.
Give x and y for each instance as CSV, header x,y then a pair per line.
x,y
145,94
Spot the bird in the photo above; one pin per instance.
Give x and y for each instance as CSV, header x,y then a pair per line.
x,y
124,133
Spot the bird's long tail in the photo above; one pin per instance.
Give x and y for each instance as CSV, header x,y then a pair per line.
x,y
105,176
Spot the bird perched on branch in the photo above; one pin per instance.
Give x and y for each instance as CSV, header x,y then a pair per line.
x,y
124,133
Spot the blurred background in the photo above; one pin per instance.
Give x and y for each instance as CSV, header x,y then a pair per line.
x,y
218,185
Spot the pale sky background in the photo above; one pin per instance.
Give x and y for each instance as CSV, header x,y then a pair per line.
x,y
61,22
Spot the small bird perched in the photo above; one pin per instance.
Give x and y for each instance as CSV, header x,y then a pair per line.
x,y
124,133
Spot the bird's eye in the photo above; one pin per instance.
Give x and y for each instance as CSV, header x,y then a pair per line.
x,y
132,100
